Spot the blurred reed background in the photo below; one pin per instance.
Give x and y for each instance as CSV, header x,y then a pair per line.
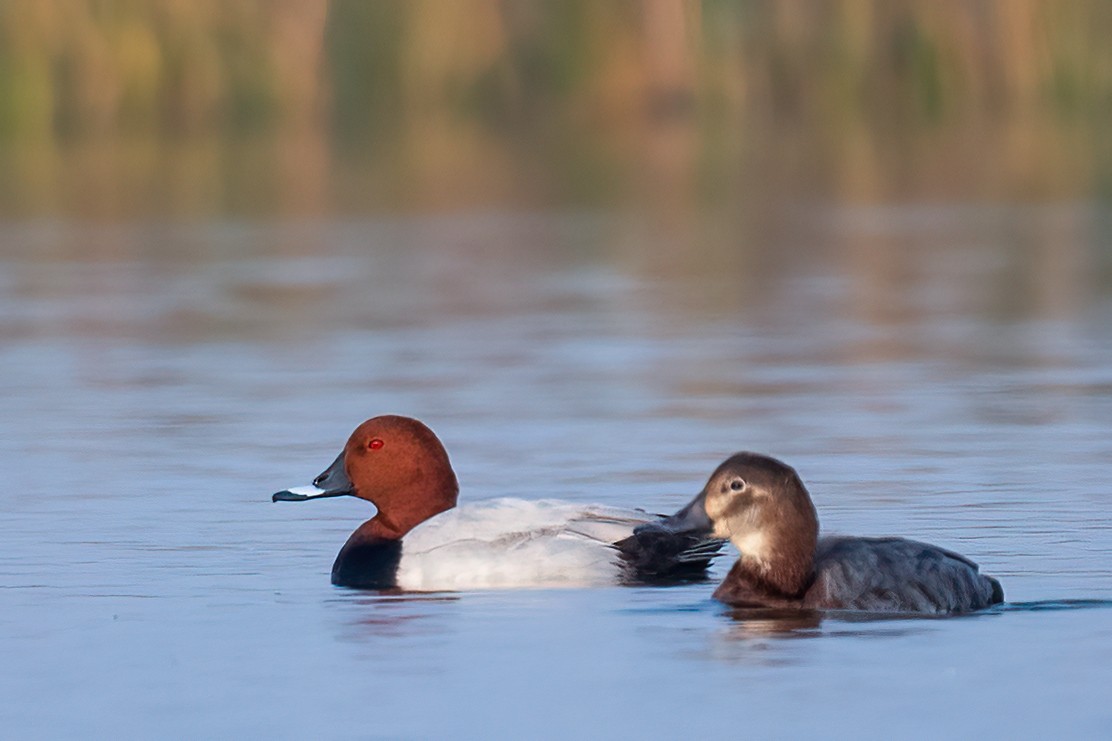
x,y
115,109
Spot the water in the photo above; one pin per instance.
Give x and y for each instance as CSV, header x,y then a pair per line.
x,y
935,371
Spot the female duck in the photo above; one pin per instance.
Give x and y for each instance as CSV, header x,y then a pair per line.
x,y
399,465
761,505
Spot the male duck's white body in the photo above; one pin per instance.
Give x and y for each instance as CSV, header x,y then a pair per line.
x,y
516,543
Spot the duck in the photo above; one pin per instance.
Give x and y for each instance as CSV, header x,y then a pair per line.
x,y
419,540
761,506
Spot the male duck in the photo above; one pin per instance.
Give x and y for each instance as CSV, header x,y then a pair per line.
x,y
399,465
761,505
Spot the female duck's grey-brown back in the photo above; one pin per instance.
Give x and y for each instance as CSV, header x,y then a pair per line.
x,y
896,575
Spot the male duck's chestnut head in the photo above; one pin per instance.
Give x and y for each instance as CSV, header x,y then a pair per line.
x,y
396,463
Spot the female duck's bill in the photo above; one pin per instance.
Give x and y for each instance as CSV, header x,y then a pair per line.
x,y
762,507
399,465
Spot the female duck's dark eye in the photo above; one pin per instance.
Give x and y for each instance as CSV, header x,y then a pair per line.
x,y
737,484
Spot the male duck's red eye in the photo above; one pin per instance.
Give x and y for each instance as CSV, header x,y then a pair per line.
x,y
375,444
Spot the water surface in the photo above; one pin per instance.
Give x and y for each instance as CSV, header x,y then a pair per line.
x,y
932,370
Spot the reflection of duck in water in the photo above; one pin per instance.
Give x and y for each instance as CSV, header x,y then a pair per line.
x,y
400,466
759,622
761,505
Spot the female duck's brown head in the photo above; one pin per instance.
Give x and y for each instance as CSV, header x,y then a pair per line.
x,y
762,507
396,463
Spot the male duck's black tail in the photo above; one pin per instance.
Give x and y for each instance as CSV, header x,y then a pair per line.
x,y
656,555
676,548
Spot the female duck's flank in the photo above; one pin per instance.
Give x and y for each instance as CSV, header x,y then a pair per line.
x,y
399,465
761,505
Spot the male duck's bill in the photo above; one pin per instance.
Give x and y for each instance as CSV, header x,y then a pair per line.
x,y
399,465
334,482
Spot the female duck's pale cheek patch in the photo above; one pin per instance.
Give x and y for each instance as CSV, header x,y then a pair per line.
x,y
717,506
752,545
722,529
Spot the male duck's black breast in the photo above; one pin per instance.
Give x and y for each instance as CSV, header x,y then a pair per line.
x,y
368,565
897,575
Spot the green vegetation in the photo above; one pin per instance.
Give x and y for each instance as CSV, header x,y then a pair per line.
x,y
423,86
75,66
